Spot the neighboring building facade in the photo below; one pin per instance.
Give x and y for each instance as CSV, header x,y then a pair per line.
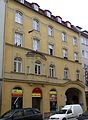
x,y
41,62
84,54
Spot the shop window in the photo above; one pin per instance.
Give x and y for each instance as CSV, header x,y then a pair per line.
x,y
17,98
53,100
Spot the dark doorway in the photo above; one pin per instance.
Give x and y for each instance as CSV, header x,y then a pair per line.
x,y
72,96
36,98
36,102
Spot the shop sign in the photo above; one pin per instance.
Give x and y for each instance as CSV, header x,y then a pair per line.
x,y
37,92
53,96
17,92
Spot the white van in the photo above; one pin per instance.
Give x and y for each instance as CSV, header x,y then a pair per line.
x,y
67,112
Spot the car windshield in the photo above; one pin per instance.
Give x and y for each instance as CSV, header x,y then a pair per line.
x,y
62,111
7,114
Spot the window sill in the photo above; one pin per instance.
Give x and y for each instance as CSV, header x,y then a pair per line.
x,y
17,72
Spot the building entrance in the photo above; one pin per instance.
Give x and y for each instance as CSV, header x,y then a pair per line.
x,y
73,96
36,98
36,102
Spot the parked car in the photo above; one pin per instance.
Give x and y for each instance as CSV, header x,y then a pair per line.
x,y
67,112
22,114
84,116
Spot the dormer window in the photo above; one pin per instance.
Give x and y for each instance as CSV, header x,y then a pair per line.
x,y
68,24
35,6
59,19
48,13
22,1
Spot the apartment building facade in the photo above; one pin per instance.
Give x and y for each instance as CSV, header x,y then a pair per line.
x,y
84,54
41,63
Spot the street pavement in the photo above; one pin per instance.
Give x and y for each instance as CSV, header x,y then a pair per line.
x,y
69,119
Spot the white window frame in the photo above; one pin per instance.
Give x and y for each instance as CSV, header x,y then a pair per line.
x,y
51,49
37,68
17,65
52,71
18,39
36,25
50,31
65,73
65,53
74,41
75,56
36,44
63,36
19,17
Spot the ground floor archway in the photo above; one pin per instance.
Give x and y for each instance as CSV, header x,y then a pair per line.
x,y
73,96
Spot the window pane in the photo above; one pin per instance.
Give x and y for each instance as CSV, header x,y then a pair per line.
x,y
50,31
18,17
35,44
18,39
63,36
65,73
37,68
14,66
51,49
64,52
35,25
19,67
52,71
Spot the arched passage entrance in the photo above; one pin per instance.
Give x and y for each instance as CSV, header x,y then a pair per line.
x,y
36,98
73,96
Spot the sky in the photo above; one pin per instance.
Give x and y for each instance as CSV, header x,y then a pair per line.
x,y
74,11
